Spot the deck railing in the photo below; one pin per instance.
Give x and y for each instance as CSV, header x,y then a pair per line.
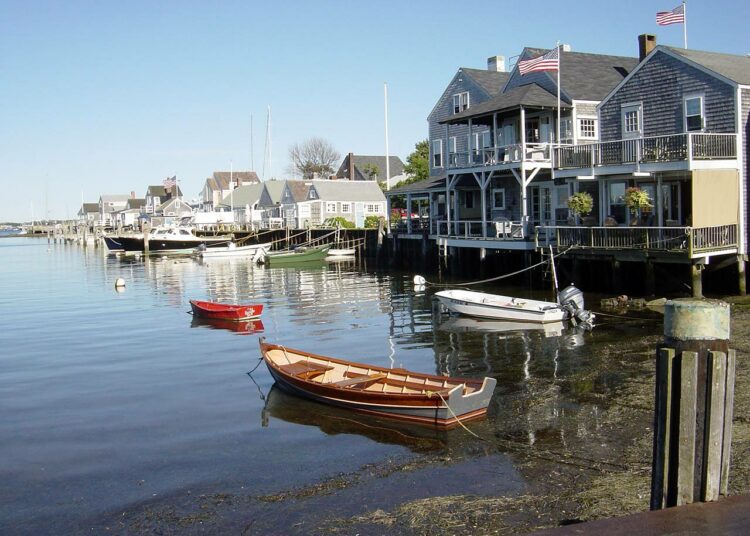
x,y
690,240
506,154
672,148
495,230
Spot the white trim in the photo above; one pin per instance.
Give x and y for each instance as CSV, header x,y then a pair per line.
x,y
624,109
505,201
691,96
460,95
741,149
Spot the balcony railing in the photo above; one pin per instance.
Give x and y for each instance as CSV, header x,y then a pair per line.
x,y
500,229
690,240
673,148
507,154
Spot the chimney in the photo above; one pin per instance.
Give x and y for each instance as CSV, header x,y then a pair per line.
x,y
565,47
132,194
496,64
646,43
351,166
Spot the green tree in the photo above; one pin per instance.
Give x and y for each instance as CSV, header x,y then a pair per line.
x,y
371,170
418,163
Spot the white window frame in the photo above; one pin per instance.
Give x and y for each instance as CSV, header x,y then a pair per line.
x,y
505,202
625,110
702,114
453,150
594,127
373,208
330,210
437,153
460,102
346,208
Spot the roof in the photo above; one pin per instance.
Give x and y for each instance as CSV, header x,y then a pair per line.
x,y
348,191
531,95
274,188
583,76
362,161
114,198
244,195
221,179
731,66
298,190
134,203
157,190
90,207
431,183
491,81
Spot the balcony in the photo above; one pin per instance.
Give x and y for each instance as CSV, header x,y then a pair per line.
x,y
656,149
507,154
690,241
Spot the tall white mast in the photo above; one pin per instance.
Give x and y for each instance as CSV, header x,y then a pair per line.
x,y
684,23
231,187
267,152
252,152
387,157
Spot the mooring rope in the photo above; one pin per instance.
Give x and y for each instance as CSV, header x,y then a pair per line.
x,y
429,395
423,281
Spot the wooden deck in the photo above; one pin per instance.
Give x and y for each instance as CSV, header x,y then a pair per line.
x,y
727,517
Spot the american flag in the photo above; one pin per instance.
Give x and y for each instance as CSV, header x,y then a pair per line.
x,y
676,16
547,62
170,182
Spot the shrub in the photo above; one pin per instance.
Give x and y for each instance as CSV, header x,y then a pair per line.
x,y
339,222
637,199
372,222
581,203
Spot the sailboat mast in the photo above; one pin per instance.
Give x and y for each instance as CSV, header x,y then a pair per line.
x,y
252,152
387,157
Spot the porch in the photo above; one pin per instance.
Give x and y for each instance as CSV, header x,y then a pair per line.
x,y
684,242
654,153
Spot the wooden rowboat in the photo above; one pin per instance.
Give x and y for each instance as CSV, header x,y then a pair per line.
x,y
440,401
301,254
224,311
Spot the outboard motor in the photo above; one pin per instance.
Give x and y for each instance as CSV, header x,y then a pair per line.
x,y
571,301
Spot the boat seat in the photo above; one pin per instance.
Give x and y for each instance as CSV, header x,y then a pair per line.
x,y
350,382
305,369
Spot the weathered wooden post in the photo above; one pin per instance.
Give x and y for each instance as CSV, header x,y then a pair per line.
x,y
694,400
146,229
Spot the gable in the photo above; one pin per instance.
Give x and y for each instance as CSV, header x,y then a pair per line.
x,y
460,83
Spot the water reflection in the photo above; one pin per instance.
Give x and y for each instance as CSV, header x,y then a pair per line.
x,y
245,327
333,421
462,324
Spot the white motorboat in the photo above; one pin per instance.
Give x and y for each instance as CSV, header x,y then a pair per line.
x,y
464,324
498,307
233,250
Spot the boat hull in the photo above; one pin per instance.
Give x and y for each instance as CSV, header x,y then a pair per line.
x,y
219,311
317,253
444,407
481,305
238,251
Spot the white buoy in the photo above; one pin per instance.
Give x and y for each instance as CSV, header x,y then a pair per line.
x,y
419,280
119,283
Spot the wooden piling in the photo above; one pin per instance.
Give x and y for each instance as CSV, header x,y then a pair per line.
x,y
696,279
693,404
741,276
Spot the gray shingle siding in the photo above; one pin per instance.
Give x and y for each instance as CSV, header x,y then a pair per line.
x,y
586,109
444,109
660,85
745,123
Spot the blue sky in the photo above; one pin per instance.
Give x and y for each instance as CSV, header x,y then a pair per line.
x,y
104,97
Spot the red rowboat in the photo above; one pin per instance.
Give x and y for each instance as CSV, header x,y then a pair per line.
x,y
225,311
439,401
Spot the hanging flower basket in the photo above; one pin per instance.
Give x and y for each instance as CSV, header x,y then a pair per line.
x,y
581,203
637,200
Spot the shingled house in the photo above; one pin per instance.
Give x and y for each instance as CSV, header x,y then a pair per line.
x,y
218,186
370,168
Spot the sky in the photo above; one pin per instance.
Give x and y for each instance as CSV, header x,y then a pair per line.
x,y
108,97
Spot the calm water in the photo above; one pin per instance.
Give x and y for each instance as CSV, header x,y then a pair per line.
x,y
112,399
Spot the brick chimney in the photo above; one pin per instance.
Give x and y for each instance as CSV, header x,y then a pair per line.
x,y
351,166
646,43
132,194
496,64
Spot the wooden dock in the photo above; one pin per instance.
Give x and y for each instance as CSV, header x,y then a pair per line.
x,y
727,517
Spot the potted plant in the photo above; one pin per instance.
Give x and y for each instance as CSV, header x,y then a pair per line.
x,y
637,201
581,204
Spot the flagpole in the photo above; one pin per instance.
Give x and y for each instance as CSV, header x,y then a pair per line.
x,y
684,22
559,62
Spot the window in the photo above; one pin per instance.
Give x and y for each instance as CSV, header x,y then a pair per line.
x,y
313,194
460,102
469,199
157,201
693,113
373,208
452,150
566,129
437,153
346,208
632,122
498,198
587,128
331,208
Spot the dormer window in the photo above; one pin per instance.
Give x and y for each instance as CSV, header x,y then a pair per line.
x,y
460,102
